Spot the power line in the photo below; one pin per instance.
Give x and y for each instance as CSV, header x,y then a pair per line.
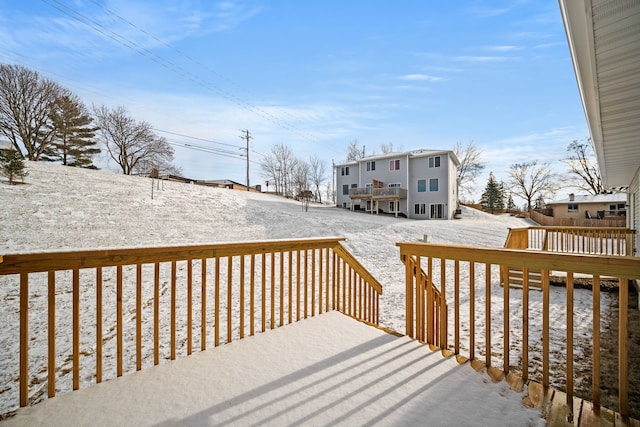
x,y
96,26
196,138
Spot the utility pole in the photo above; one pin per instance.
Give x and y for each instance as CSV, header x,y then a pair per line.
x,y
246,136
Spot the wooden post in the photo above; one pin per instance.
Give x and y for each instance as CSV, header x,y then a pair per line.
x,y
216,314
623,346
408,279
138,317
229,298
472,310
99,325
119,351
525,324
545,328
203,304
51,367
24,339
506,330
156,314
252,294
595,364
189,306
173,310
242,296
569,390
443,304
487,314
456,308
76,328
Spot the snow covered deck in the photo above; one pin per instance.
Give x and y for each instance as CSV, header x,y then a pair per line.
x,y
324,370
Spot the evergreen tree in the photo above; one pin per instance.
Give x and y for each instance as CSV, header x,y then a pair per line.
x,y
511,206
492,199
12,165
73,143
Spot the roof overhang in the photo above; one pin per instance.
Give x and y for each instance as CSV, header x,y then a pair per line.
x,y
604,40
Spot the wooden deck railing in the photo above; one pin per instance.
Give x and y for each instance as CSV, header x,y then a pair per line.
x,y
469,279
430,307
160,303
582,240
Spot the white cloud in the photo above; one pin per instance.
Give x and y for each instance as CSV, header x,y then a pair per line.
x,y
420,77
502,48
479,58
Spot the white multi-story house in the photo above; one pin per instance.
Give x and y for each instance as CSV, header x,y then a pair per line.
x,y
418,184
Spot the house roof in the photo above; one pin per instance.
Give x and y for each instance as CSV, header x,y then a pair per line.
x,y
220,182
412,153
604,40
590,198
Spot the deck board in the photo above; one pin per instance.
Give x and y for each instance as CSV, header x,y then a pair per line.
x,y
324,370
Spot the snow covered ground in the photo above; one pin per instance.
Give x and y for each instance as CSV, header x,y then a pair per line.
x,y
62,208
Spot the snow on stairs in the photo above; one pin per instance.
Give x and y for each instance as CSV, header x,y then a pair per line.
x,y
560,411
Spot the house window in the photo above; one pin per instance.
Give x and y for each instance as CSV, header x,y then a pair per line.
x,y
572,207
394,185
422,185
433,184
371,166
345,190
436,211
368,188
345,171
420,208
394,206
434,162
394,165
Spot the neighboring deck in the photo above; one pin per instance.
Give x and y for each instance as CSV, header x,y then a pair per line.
x,y
325,370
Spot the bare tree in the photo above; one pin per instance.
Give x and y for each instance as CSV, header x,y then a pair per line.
x,y
354,152
300,176
278,167
317,174
129,142
26,102
531,181
471,164
584,171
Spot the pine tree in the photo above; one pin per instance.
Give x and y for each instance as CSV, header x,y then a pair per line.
x,y
12,165
492,199
73,144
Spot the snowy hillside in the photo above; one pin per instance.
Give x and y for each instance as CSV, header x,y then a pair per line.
x,y
64,208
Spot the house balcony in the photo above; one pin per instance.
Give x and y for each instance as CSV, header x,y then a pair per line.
x,y
384,193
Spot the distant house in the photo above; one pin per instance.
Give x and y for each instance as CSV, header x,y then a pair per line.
x,y
5,145
227,183
418,184
604,44
590,206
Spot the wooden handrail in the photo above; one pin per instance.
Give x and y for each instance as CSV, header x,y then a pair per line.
x,y
594,240
495,261
69,260
430,324
227,287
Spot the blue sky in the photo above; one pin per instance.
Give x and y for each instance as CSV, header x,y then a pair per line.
x,y
314,75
